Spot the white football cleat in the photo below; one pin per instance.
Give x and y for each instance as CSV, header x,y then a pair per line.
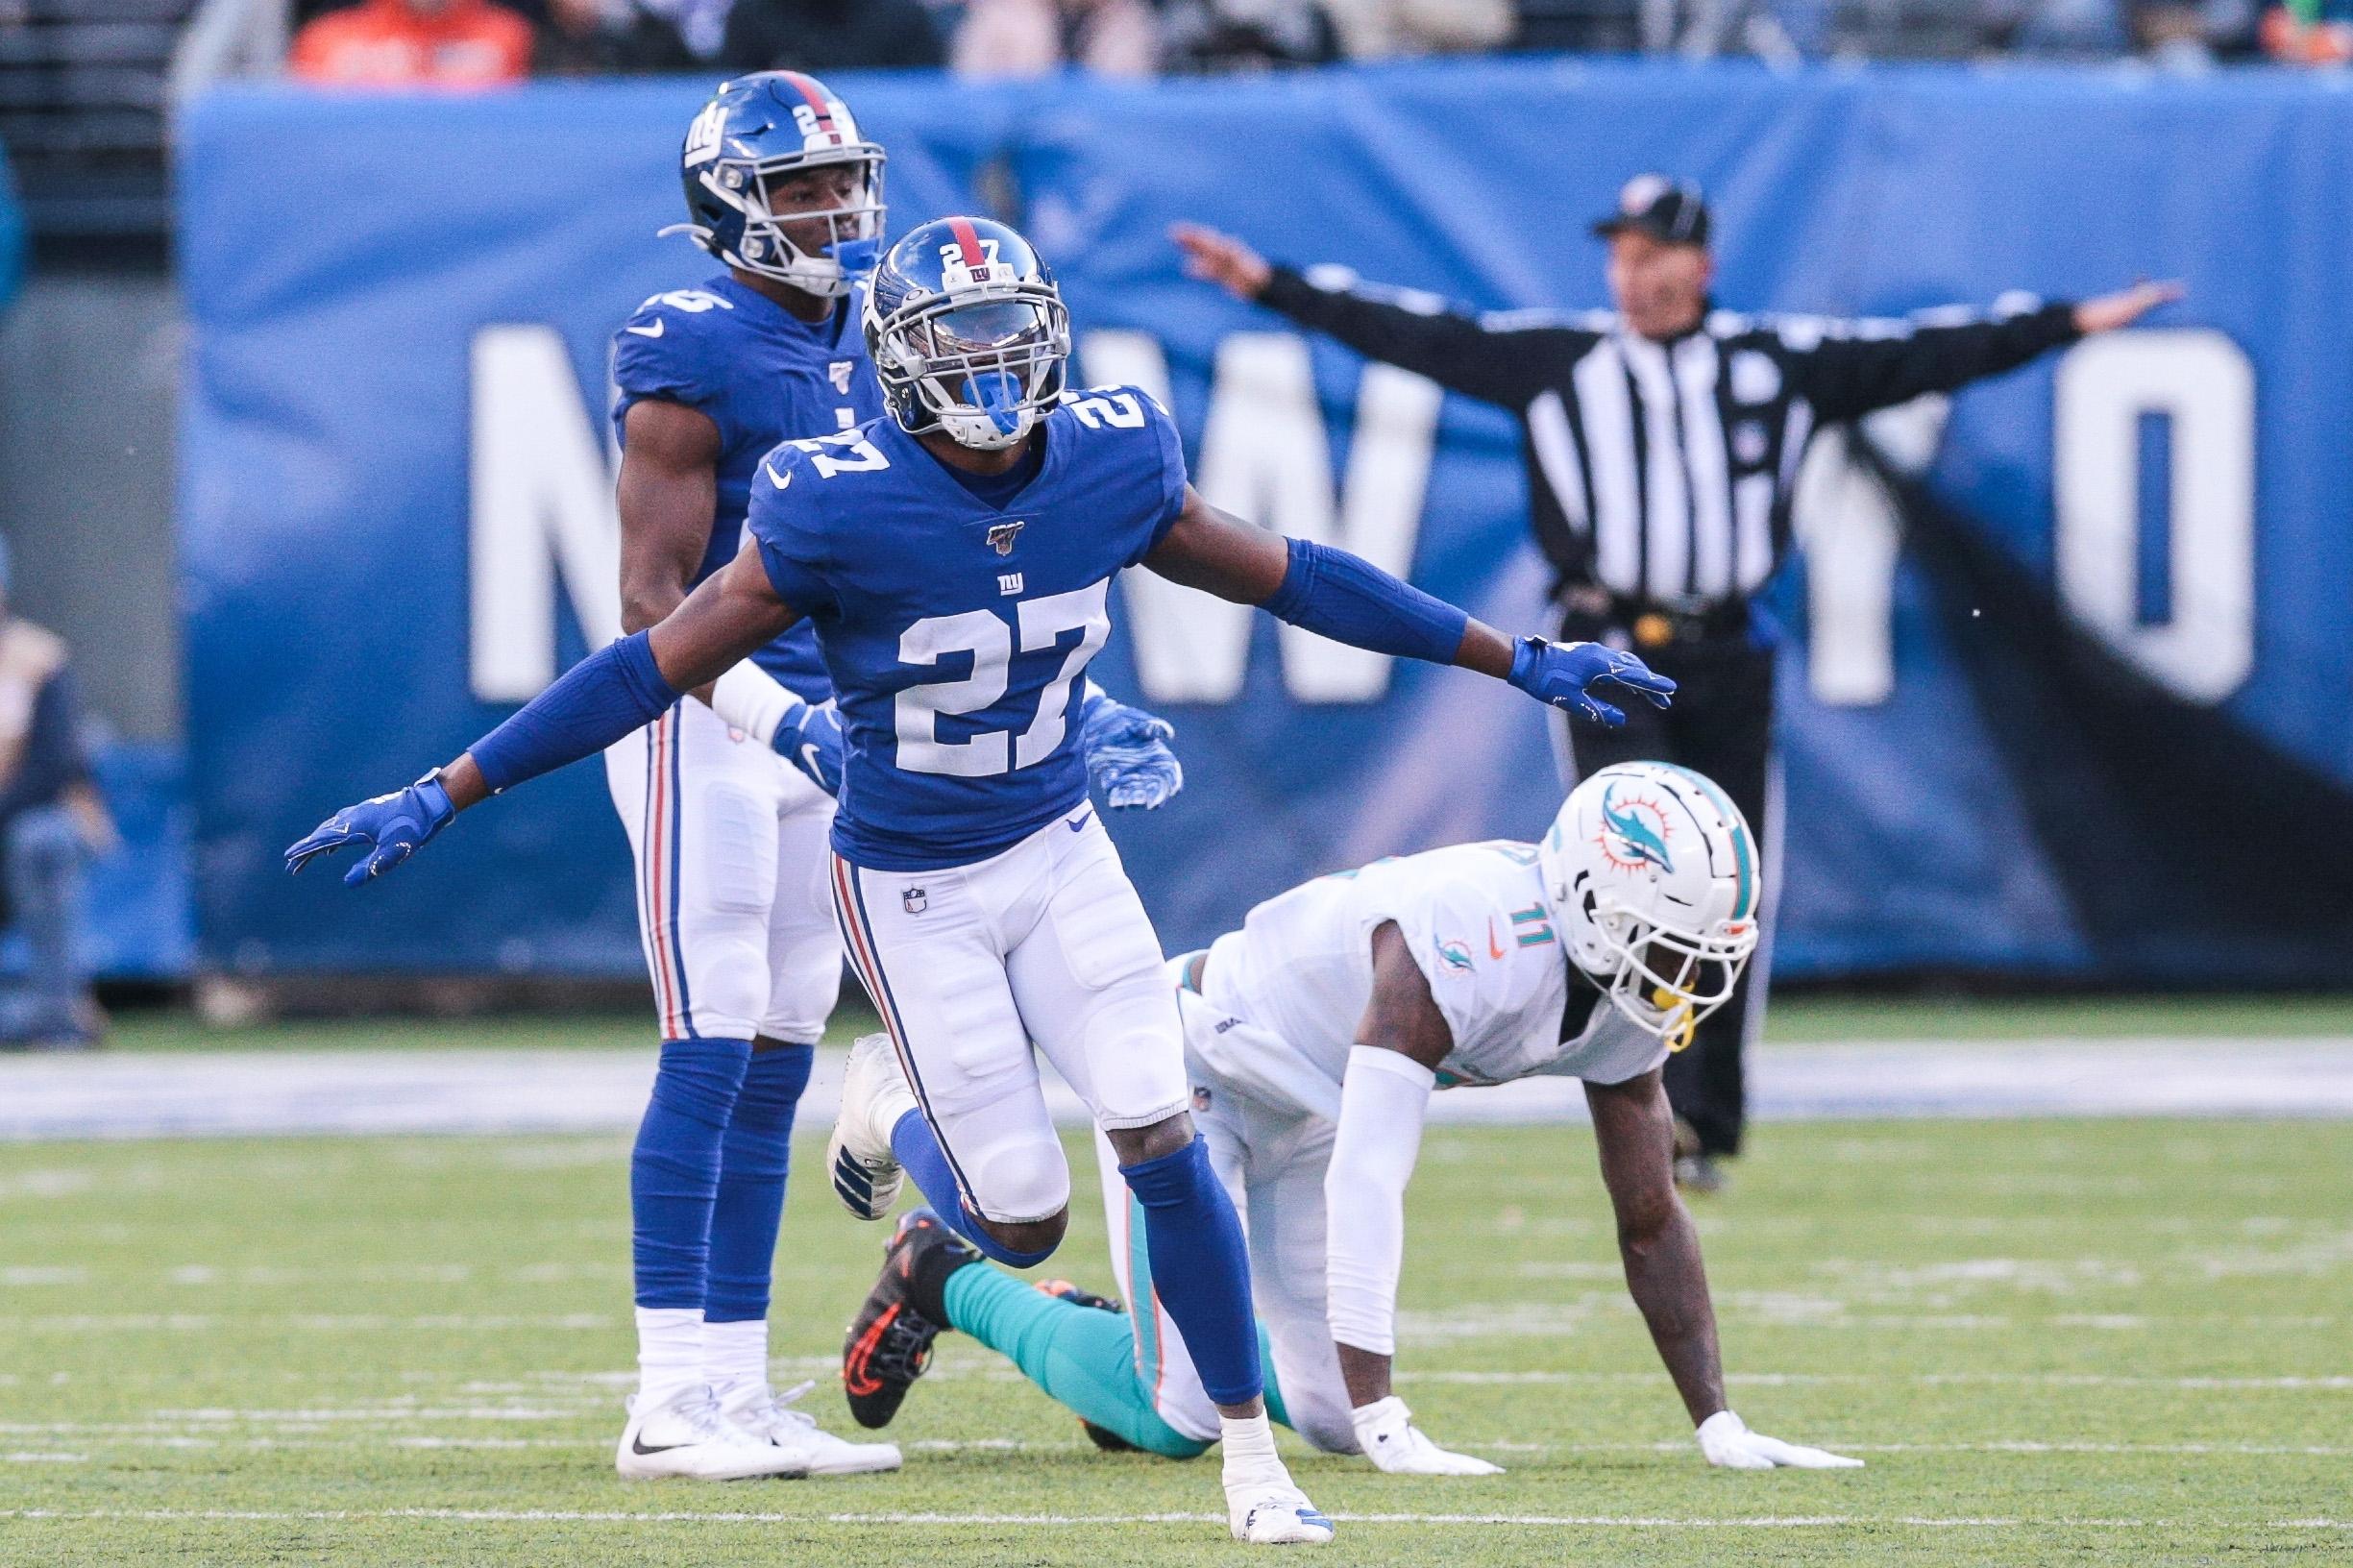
x,y
874,1095
1274,1513
1727,1441
1387,1433
685,1436
769,1417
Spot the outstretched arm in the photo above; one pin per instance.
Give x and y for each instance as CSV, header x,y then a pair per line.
x,y
1635,1129
1350,600
1505,360
1853,372
597,702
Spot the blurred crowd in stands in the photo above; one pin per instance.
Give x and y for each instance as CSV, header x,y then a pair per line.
x,y
469,42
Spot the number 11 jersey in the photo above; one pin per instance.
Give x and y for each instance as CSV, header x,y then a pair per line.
x,y
957,631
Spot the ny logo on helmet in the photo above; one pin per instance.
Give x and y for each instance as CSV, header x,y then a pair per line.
x,y
1002,536
704,136
961,268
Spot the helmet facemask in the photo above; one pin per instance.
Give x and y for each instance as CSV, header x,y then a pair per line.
x,y
979,367
1665,979
847,234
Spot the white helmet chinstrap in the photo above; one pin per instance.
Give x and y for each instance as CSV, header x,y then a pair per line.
x,y
1653,875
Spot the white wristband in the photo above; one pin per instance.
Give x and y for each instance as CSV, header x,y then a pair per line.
x,y
752,700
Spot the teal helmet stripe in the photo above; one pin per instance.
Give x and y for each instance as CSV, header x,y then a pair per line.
x,y
1743,901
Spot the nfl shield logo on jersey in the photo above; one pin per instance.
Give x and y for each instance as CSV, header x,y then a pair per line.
x,y
914,900
839,370
1002,536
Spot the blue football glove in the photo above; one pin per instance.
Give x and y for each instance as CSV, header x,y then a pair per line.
x,y
810,738
1127,755
1563,673
391,825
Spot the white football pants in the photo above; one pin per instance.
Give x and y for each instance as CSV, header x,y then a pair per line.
x,y
1045,943
732,902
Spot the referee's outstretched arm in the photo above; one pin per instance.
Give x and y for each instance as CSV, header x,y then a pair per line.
x,y
1861,366
1506,359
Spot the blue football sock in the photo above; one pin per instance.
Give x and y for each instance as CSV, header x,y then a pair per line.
x,y
1201,1268
674,1169
752,1160
1141,1289
917,1148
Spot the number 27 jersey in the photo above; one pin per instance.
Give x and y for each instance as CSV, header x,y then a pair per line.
x,y
956,630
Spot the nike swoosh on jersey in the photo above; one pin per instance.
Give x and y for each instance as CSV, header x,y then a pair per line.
x,y
1074,823
779,481
1493,950
654,331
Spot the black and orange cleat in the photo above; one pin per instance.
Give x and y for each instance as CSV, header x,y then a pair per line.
x,y
1103,1437
889,1345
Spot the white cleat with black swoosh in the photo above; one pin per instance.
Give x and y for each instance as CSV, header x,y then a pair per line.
x,y
874,1095
685,1437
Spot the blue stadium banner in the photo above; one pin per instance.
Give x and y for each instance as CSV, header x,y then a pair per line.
x,y
2070,654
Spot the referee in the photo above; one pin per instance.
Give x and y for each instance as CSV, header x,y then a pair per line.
x,y
1662,441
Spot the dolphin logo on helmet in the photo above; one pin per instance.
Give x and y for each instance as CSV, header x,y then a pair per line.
x,y
1641,840
757,133
967,333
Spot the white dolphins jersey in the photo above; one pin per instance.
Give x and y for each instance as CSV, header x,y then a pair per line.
x,y
1293,983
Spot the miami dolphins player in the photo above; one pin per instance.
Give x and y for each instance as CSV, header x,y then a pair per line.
x,y
1315,1036
956,558
730,836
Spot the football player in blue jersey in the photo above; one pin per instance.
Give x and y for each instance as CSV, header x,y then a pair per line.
x,y
730,836
956,559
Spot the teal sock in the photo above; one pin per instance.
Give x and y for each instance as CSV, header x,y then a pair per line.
x,y
1275,1412
1083,1357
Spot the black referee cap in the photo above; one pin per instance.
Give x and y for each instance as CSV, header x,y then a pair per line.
x,y
1668,210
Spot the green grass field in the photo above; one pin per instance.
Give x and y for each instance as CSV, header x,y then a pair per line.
x,y
1799,1018
2110,1342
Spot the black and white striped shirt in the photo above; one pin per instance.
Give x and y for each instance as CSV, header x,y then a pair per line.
x,y
1661,472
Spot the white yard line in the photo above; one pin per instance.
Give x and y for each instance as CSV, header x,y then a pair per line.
x,y
231,1094
1824,1521
2048,1380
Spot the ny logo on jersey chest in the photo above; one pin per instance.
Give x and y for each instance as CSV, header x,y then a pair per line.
x,y
1002,536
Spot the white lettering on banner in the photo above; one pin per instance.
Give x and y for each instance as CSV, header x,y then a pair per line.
x,y
541,502
2203,382
1852,534
543,510
1265,456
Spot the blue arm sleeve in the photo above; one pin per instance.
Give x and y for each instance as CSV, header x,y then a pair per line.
x,y
597,702
1350,600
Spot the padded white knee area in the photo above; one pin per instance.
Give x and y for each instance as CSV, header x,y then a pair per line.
x,y
1017,1181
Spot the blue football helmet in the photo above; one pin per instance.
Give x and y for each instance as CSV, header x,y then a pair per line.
x,y
757,131
967,333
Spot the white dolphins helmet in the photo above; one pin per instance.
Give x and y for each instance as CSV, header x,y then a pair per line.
x,y
1653,878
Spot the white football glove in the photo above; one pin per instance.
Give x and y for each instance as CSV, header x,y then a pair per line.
x,y
1387,1433
1726,1441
